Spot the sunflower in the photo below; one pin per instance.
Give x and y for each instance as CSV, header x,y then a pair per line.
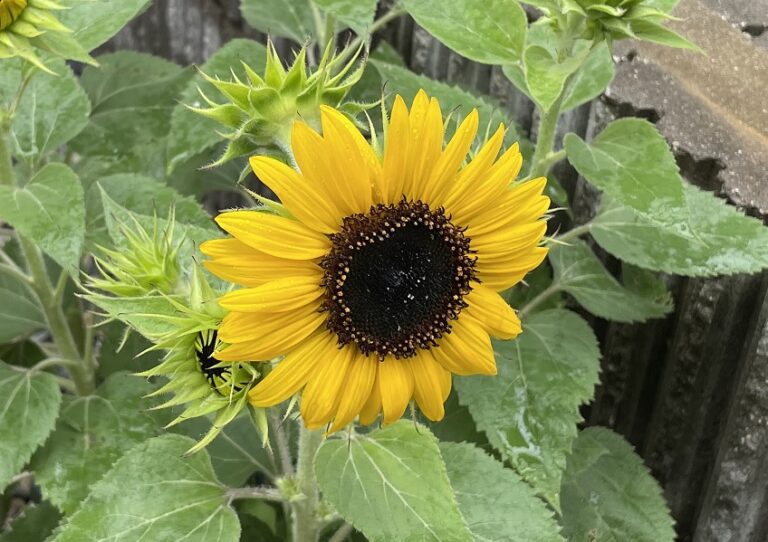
x,y
380,278
29,25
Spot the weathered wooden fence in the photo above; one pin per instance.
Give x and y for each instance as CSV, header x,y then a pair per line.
x,y
689,391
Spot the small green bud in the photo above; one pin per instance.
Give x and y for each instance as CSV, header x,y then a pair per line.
x,y
261,110
613,20
29,26
146,263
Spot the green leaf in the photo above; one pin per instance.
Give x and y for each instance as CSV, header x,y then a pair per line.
x,y
91,434
495,502
49,210
609,495
545,74
280,18
237,452
357,14
404,82
579,272
36,523
19,312
631,162
191,133
391,484
29,405
487,32
53,110
592,78
530,409
703,237
95,21
133,96
154,493
656,33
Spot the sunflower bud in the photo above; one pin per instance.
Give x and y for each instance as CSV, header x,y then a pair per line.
x,y
260,111
28,26
142,284
614,20
144,264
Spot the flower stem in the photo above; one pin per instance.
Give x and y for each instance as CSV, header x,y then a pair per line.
x,y
82,376
578,231
539,299
545,139
263,493
306,526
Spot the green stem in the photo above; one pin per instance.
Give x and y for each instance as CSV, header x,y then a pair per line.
x,y
377,25
54,315
82,376
578,231
7,177
545,139
306,526
539,299
263,493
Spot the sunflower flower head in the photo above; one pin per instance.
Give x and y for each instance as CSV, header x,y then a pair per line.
x,y
141,283
28,27
382,281
261,109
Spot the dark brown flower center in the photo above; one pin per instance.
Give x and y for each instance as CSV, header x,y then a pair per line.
x,y
217,375
396,277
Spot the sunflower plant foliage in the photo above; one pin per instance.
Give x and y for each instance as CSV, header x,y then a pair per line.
x,y
372,337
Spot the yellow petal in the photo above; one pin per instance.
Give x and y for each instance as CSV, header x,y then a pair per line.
x,y
450,160
277,296
461,191
499,244
350,166
429,385
372,406
490,189
276,235
396,387
396,152
502,274
467,349
306,200
292,373
322,395
356,390
519,204
312,155
490,309
236,262
426,145
266,336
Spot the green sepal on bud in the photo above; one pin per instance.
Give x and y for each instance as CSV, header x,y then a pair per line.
x,y
29,27
142,284
146,263
260,110
613,20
